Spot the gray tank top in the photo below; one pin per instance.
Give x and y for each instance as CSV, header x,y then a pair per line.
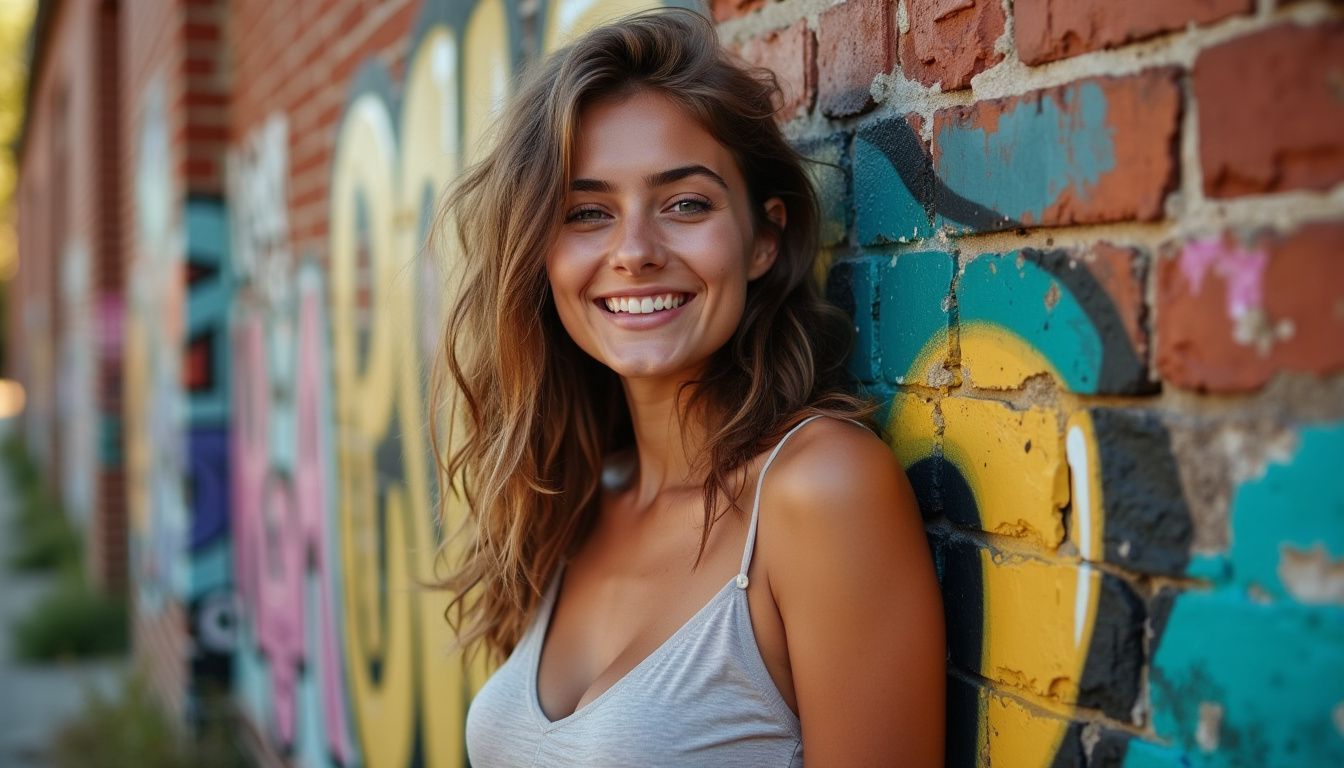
x,y
702,698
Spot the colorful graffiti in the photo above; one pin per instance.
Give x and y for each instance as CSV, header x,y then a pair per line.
x,y
287,657
205,377
1027,605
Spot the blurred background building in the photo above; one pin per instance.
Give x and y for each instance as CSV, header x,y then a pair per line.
x,y
1092,250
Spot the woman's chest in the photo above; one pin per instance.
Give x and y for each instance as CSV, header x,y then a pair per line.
x,y
613,610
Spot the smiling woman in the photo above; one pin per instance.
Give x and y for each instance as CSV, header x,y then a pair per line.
x,y
637,341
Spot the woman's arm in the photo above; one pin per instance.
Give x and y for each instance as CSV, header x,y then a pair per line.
x,y
852,576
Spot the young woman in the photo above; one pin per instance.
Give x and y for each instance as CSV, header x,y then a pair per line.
x,y
683,536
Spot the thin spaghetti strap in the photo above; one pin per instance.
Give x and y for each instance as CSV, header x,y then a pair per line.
x,y
742,580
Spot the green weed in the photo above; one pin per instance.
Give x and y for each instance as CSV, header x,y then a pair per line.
x,y
72,620
133,730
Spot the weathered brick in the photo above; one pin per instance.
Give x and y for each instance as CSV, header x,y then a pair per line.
x,y
1231,314
991,446
1095,150
913,324
855,43
1066,632
1287,527
791,53
829,171
1270,111
1128,504
950,41
852,286
1265,693
893,182
731,9
1077,315
1047,30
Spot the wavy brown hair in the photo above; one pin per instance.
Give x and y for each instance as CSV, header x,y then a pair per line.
x,y
535,416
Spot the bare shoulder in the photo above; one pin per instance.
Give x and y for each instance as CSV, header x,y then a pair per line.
x,y
837,472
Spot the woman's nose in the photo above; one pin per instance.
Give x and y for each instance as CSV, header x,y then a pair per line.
x,y
636,248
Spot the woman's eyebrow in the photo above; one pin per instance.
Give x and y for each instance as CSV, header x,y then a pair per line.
x,y
589,185
653,180
677,174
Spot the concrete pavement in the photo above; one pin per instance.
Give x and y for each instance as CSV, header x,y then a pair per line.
x,y
35,699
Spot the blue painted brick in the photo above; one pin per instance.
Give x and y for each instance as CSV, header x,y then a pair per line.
x,y
914,319
892,177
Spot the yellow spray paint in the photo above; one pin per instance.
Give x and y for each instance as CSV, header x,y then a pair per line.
x,y
1038,613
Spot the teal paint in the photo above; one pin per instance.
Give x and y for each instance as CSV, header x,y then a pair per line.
x,y
827,166
885,211
1276,669
1010,293
914,291
212,567
1290,506
1042,147
1275,664
208,301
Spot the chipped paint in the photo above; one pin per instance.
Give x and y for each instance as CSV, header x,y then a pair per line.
x,y
1026,159
1277,670
1243,274
1311,575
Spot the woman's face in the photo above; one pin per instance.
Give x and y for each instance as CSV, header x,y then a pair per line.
x,y
650,266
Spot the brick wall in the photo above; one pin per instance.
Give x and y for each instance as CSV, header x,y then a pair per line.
x,y
174,121
1091,249
71,275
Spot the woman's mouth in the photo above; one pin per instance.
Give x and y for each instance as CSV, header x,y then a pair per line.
x,y
644,305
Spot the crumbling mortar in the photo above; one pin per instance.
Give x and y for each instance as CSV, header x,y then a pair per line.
x,y
1042,706
897,96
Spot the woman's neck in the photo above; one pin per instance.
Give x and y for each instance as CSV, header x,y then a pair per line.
x,y
667,447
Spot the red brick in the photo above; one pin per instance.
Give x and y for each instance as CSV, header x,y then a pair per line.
x,y
790,53
1230,314
1140,125
1120,272
731,9
1047,30
1270,109
950,41
855,43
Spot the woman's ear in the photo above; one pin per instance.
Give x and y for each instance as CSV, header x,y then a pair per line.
x,y
766,248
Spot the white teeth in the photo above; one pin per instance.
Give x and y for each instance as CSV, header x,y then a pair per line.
x,y
643,305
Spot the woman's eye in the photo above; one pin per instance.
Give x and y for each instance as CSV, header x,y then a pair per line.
x,y
585,214
690,205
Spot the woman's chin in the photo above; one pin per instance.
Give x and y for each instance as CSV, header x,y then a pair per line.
x,y
646,367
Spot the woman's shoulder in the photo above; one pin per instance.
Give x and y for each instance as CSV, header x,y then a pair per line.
x,y
833,462
836,494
